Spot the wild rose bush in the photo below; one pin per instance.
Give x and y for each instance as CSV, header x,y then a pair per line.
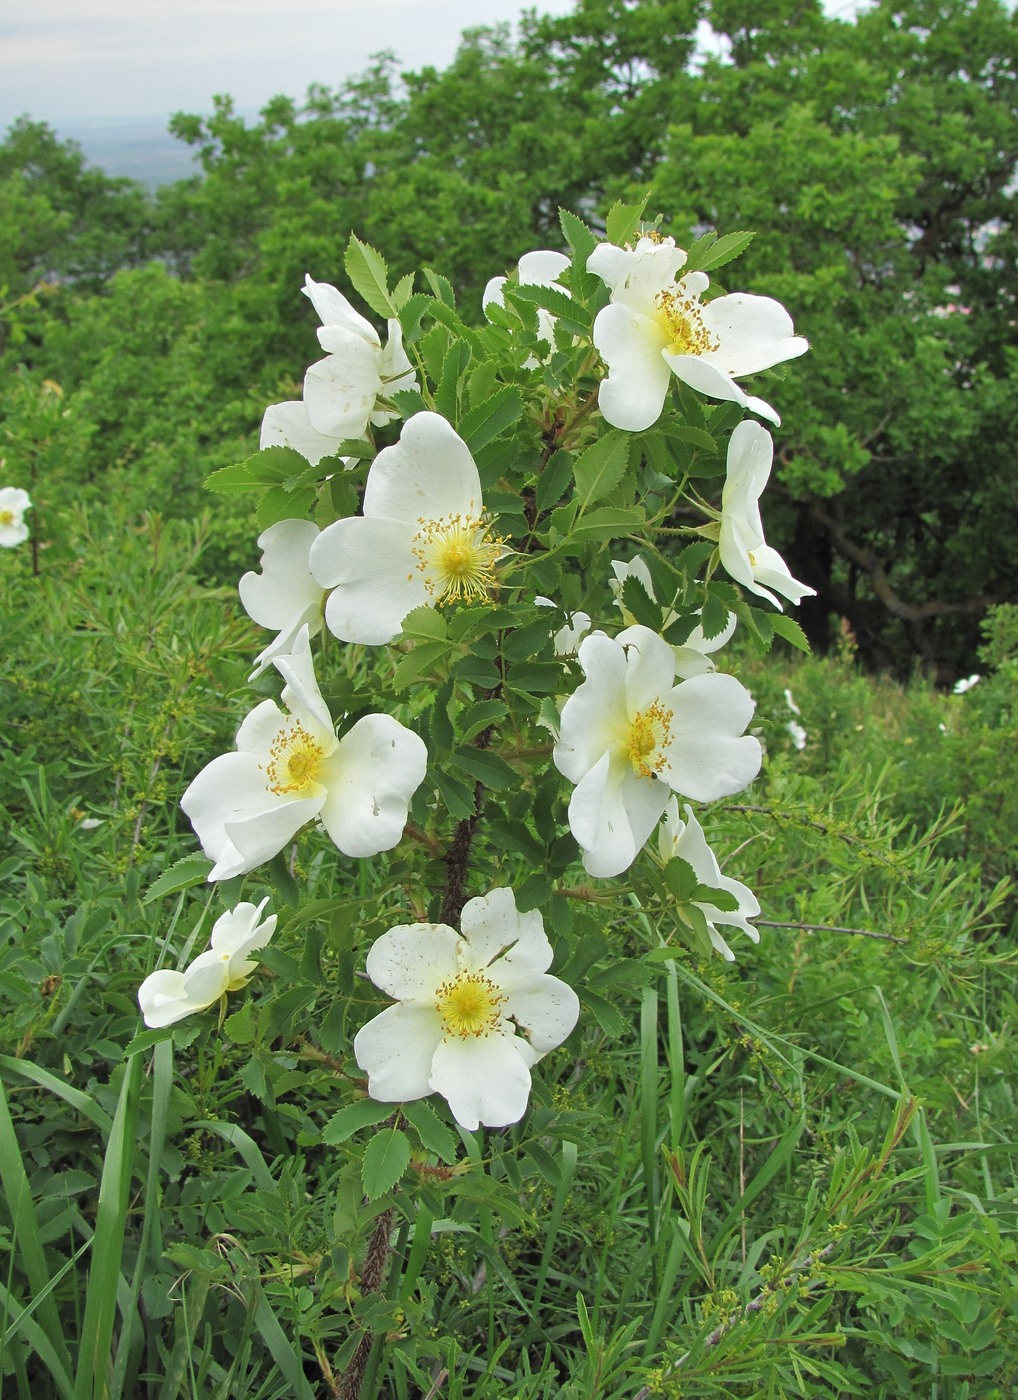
x,y
500,566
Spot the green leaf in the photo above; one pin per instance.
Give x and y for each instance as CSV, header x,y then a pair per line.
x,y
386,1158
607,523
189,870
441,287
624,220
240,1027
349,1120
552,299
788,628
722,900
697,437
554,479
369,276
425,623
714,617
639,602
271,467
408,402
582,241
435,1136
600,469
680,877
717,251
419,663
486,768
492,418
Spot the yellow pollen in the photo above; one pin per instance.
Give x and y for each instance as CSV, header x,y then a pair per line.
x,y
649,733
682,320
469,1005
6,517
294,760
457,556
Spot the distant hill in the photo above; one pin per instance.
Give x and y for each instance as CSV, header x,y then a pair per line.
x,y
140,147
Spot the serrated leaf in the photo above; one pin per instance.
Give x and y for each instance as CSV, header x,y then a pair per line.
x,y
680,877
189,870
402,290
553,481
419,663
582,241
788,628
350,1120
408,402
722,900
492,418
486,768
697,437
434,1135
600,469
714,616
552,299
441,287
270,467
639,602
624,220
607,523
279,503
240,1027
386,1158
724,249
425,623
369,276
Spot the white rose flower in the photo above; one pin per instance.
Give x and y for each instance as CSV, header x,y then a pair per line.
x,y
744,552
341,392
655,327
284,596
629,737
540,268
458,996
685,839
692,658
422,538
166,996
567,638
13,504
288,425
289,769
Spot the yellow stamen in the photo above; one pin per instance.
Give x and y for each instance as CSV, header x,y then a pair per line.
x,y
649,733
457,556
294,760
682,319
6,517
469,1005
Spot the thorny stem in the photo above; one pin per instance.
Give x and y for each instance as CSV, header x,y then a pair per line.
x,y
371,1281
457,858
831,928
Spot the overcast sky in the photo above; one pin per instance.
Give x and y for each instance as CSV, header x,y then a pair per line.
x,y
83,61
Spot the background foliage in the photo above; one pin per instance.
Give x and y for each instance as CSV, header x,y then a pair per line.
x,y
803,1178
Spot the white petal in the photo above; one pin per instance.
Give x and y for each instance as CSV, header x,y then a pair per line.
x,y
755,333
374,575
650,667
231,787
484,1079
411,961
428,475
631,345
595,711
541,267
242,930
706,378
492,922
708,756
611,815
205,979
771,570
334,310
259,836
284,587
376,770
340,391
547,1008
260,728
288,425
395,1051
492,294
163,1000
301,694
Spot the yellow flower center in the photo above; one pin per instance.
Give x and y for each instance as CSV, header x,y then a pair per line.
x,y
294,760
6,517
469,1005
682,320
648,735
457,555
